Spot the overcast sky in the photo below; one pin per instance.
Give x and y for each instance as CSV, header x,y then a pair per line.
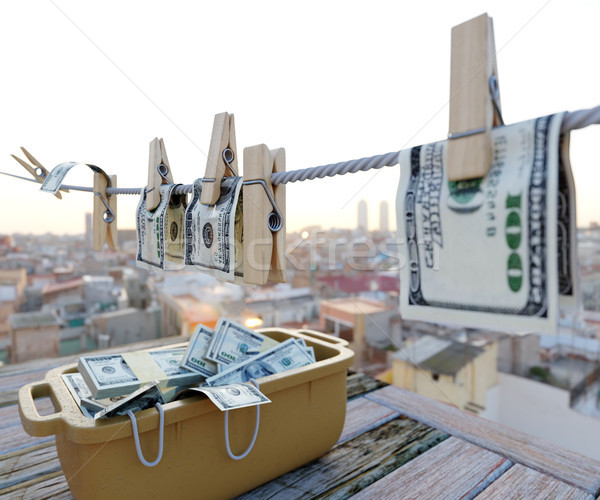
x,y
329,81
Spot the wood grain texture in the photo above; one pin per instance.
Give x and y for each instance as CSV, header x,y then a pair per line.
x,y
15,438
472,64
358,384
522,482
52,486
362,415
278,257
568,466
222,137
453,469
9,415
103,231
258,239
29,464
349,467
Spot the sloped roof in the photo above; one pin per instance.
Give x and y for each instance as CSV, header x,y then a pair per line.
x,y
439,355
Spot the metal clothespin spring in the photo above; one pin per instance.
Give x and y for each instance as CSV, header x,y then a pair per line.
x,y
163,170
108,216
495,92
228,157
275,219
495,95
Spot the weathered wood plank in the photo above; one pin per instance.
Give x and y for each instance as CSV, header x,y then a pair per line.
x,y
523,482
25,465
453,469
354,464
362,415
53,486
9,415
15,438
359,383
565,465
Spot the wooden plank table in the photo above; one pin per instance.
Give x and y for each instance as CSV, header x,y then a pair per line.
x,y
394,444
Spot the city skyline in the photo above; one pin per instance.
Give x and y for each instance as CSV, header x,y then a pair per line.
x,y
110,101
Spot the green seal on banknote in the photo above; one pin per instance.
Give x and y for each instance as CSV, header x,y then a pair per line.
x,y
465,196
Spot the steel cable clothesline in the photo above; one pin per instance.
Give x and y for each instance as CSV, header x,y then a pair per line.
x,y
571,121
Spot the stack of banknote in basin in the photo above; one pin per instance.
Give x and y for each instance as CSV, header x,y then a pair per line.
x,y
222,364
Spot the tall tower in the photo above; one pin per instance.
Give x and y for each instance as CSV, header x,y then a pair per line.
x,y
363,223
384,225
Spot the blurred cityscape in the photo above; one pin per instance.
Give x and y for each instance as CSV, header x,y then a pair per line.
x,y
58,297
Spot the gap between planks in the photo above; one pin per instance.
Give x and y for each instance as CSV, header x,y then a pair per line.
x,y
565,465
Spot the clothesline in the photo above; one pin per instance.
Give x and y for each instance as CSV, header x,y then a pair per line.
x,y
572,121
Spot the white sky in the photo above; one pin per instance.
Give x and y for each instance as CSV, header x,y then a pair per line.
x,y
96,82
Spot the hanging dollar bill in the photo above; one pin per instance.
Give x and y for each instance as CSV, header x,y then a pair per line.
x,y
56,176
233,343
160,232
194,358
483,252
210,231
285,356
568,275
231,397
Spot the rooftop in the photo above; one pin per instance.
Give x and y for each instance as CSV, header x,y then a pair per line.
x,y
439,355
62,286
32,320
354,305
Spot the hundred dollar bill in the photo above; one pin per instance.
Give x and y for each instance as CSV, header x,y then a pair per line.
x,y
285,356
83,396
483,252
568,275
210,236
230,397
194,358
57,175
118,374
161,232
232,343
145,397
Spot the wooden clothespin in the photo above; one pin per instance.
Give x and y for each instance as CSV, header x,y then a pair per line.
x,y
474,99
264,216
104,218
222,158
36,169
159,172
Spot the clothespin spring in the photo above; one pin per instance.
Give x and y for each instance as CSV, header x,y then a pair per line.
x,y
495,92
228,157
275,219
108,216
163,170
495,95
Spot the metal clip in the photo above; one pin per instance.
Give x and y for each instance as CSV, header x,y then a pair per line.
x,y
108,216
228,157
495,93
275,219
495,96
